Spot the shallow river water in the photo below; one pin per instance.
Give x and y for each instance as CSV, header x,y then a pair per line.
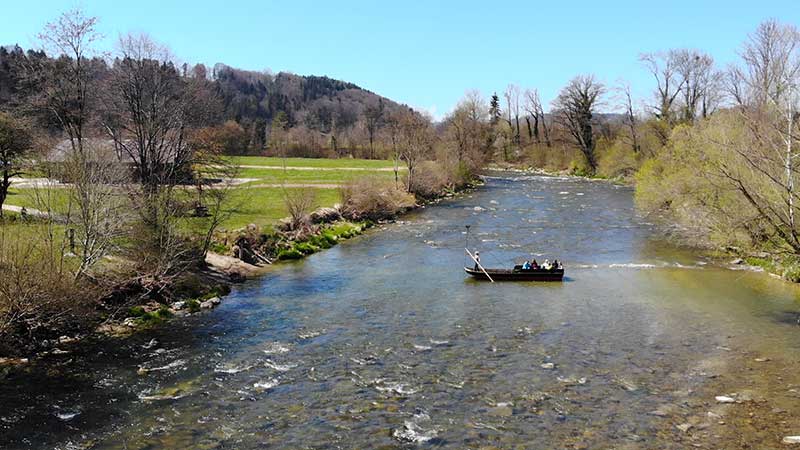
x,y
383,342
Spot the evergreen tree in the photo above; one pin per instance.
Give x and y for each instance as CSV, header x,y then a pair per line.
x,y
494,109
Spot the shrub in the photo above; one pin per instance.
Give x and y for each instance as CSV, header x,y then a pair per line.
x,y
193,305
373,198
287,254
429,180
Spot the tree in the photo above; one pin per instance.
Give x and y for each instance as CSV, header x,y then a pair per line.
x,y
98,212
66,84
373,116
533,106
415,142
512,96
149,109
494,109
467,130
631,122
766,88
15,141
575,107
700,84
664,66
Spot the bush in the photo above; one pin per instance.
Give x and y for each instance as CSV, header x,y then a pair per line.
x,y
193,305
373,198
39,299
288,254
430,180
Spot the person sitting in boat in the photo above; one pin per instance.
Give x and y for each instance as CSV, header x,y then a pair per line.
x,y
526,265
556,264
535,265
477,259
547,265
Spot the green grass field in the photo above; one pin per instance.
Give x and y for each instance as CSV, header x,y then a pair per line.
x,y
276,176
312,162
263,206
248,202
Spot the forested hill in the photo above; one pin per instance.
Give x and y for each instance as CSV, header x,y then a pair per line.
x,y
319,103
315,109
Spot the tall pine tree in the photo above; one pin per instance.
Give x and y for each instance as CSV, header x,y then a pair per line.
x,y
494,109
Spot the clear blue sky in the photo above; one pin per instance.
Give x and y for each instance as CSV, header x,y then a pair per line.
x,y
425,54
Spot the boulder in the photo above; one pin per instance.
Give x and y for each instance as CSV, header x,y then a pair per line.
x,y
210,303
177,306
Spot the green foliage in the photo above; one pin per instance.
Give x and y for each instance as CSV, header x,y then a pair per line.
x,y
289,254
152,318
136,311
306,248
193,305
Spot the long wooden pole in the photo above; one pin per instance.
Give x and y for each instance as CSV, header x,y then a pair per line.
x,y
479,265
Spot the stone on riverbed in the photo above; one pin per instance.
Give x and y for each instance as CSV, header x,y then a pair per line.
x,y
177,306
210,303
724,399
548,366
791,440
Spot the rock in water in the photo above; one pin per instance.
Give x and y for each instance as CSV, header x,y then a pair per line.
x,y
548,366
791,440
724,399
685,427
210,303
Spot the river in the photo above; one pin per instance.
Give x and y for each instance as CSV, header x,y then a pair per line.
x,y
382,342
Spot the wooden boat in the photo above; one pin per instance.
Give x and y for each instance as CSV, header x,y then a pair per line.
x,y
517,274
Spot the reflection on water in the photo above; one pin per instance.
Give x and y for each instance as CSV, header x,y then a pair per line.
x,y
382,341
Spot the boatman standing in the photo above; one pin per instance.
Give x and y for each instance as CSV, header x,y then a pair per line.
x,y
477,259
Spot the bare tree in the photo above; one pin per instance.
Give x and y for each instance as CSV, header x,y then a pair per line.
x,y
467,128
665,68
575,107
299,203
700,83
148,111
101,208
415,142
533,105
373,117
512,96
631,122
66,84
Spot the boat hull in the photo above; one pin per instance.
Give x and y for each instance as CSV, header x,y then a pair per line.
x,y
517,275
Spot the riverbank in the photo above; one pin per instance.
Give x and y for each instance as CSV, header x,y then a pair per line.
x,y
384,341
777,264
235,257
